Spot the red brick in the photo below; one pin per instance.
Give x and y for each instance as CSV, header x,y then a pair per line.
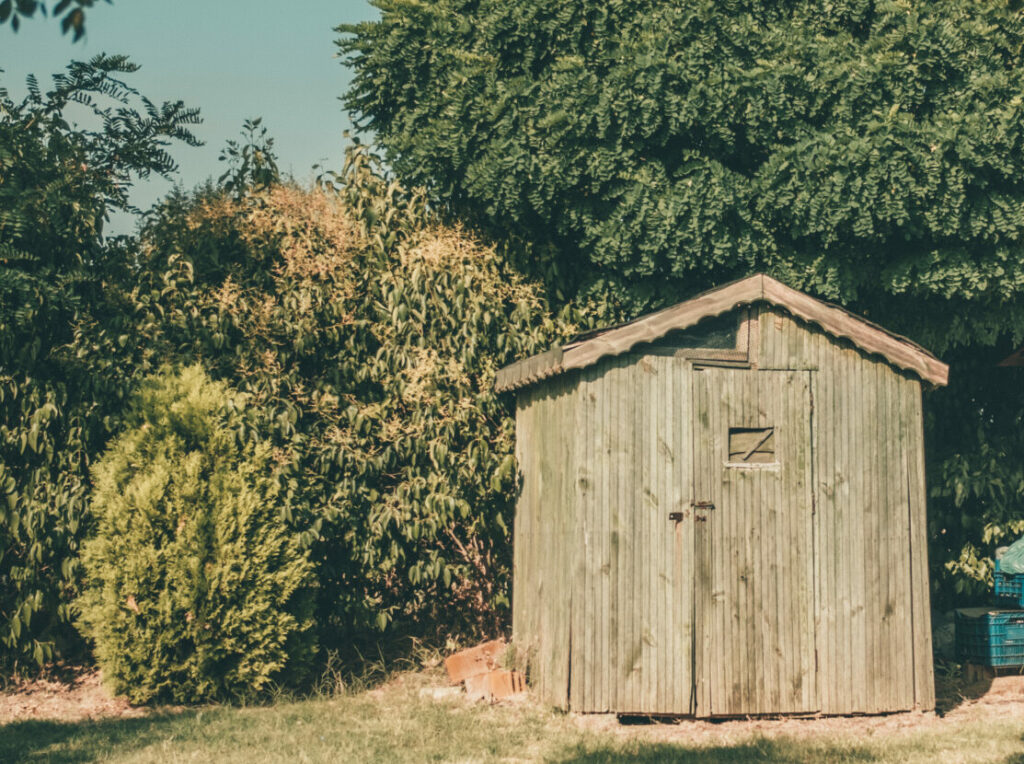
x,y
494,685
474,661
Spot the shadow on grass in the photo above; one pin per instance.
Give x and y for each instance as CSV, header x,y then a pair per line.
x,y
74,742
952,690
759,750
763,750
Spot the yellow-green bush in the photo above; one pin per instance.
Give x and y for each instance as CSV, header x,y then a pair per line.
x,y
196,590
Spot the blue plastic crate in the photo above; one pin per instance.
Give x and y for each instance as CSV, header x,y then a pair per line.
x,y
990,637
1009,588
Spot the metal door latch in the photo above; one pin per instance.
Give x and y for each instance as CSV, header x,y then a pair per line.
x,y
676,517
703,505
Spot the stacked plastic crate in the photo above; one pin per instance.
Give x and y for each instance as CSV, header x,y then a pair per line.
x,y
994,637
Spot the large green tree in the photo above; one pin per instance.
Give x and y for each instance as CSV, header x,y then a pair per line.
x,y
869,152
68,334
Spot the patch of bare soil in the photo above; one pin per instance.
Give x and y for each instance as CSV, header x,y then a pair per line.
x,y
75,696
995,698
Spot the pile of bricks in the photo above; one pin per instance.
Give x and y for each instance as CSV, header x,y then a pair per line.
x,y
478,669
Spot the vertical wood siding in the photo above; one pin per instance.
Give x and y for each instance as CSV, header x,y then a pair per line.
x,y
635,570
606,586
546,544
758,649
873,612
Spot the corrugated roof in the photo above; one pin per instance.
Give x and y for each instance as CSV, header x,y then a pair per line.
x,y
897,350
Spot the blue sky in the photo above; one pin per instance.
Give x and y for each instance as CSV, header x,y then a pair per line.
x,y
231,59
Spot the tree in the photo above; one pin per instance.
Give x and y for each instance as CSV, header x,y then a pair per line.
x,y
366,336
67,332
70,12
252,163
868,152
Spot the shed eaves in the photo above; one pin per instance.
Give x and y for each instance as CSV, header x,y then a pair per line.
x,y
897,350
1016,358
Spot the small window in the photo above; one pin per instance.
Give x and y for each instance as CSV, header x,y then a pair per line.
x,y
718,333
751,445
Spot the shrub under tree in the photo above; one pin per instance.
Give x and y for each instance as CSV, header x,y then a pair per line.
x,y
196,589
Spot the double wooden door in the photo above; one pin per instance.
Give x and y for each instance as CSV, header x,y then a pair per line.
x,y
694,592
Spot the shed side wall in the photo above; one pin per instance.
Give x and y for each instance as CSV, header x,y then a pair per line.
x,y
871,589
544,551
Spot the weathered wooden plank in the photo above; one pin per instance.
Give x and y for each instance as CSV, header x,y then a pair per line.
x,y
902,560
616,429
658,596
679,486
661,534
821,569
582,491
561,508
569,532
924,681
589,644
521,544
870,574
542,537
703,667
809,681
625,512
896,547
635,520
644,570
600,562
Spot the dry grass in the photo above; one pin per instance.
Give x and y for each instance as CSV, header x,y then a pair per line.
x,y
411,718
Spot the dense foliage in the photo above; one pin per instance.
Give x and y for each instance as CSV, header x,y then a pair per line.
x,y
70,12
366,336
976,438
865,150
65,354
868,152
364,333
196,589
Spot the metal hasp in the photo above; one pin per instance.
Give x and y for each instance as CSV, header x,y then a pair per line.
x,y
703,505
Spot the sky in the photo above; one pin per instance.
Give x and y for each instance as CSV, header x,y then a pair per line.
x,y
231,59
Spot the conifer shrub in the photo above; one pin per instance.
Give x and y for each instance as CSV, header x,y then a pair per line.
x,y
196,589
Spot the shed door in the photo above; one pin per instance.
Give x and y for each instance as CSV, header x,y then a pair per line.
x,y
754,641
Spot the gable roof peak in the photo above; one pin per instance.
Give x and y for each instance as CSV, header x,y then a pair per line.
x,y
838,322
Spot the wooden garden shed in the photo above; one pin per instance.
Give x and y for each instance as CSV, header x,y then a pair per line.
x,y
722,512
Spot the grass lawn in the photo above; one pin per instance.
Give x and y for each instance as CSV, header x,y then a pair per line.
x,y
402,722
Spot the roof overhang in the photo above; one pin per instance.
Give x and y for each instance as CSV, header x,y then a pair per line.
x,y
871,338
1016,358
